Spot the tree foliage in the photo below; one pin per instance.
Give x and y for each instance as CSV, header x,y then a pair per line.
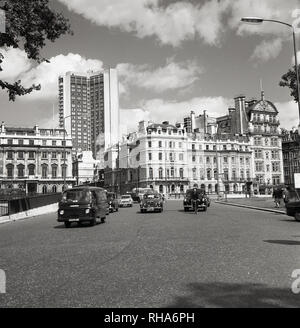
x,y
289,80
29,24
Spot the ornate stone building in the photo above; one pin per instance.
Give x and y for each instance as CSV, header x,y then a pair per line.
x,y
32,159
219,154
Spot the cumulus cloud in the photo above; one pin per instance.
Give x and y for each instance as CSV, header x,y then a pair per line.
x,y
170,77
47,74
267,50
14,63
288,114
159,110
170,24
16,66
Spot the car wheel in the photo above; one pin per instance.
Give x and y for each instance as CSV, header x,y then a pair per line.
x,y
68,224
103,220
185,209
297,216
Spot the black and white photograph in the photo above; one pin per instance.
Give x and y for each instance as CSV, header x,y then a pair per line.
x,y
149,156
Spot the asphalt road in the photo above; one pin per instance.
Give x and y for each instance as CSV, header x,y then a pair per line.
x,y
226,257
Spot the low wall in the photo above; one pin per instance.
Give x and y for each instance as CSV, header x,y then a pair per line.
x,y
52,208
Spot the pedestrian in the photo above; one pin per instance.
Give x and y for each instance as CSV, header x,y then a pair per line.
x,y
277,195
286,194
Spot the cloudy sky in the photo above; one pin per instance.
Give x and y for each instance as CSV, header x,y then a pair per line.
x,y
172,56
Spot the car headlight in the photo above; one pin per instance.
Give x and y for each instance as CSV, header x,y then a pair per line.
x,y
61,212
87,211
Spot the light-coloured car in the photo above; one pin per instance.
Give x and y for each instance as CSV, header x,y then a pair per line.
x,y
126,201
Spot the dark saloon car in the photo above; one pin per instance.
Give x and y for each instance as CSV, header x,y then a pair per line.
x,y
83,204
113,202
203,200
151,202
293,209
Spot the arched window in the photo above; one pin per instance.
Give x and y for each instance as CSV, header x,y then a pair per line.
x,y
194,173
209,188
54,189
20,171
235,188
63,171
161,189
203,186
181,173
10,170
31,169
216,174
173,188
44,189
160,173
216,188
182,188
209,174
172,172
54,171
44,171
150,173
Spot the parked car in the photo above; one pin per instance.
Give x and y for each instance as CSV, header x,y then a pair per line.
x,y
113,202
151,202
293,209
83,204
126,201
203,200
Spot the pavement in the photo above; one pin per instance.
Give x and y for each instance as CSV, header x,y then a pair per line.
x,y
225,257
264,204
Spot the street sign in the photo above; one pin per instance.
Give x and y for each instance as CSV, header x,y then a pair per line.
x,y
297,180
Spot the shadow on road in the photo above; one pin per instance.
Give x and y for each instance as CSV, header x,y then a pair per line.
x,y
226,295
284,242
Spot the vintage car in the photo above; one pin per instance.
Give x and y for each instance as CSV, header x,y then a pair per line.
x,y
293,209
203,200
113,202
151,202
126,201
83,204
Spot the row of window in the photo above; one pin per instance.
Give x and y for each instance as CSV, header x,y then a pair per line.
x,y
10,155
260,167
173,144
258,141
33,142
259,154
209,174
32,170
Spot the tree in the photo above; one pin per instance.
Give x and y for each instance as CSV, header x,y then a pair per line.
x,y
289,80
29,23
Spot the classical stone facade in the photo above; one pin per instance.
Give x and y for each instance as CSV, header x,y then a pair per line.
x,y
291,155
225,154
32,159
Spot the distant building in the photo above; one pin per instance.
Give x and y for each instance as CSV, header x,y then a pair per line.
x,y
291,155
89,109
34,159
224,154
84,168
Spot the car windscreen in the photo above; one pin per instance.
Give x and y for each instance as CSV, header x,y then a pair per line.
x,y
189,193
125,197
151,196
77,196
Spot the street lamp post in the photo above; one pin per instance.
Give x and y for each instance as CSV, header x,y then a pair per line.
x,y
64,152
258,20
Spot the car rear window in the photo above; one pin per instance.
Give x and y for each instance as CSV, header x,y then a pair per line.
x,y
126,197
77,196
